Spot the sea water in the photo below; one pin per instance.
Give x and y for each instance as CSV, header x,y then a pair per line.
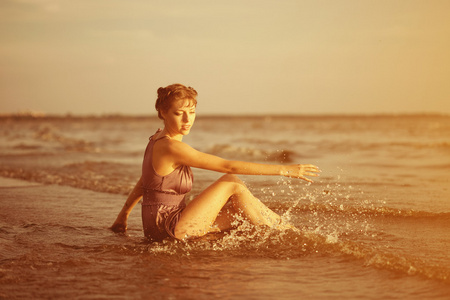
x,y
376,224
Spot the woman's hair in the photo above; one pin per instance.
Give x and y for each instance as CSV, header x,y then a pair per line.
x,y
174,92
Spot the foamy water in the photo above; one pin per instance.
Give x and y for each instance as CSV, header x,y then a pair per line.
x,y
376,223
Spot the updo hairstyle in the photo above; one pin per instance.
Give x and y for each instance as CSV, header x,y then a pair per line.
x,y
174,92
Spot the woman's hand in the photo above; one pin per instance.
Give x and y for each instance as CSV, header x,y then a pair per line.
x,y
300,171
120,225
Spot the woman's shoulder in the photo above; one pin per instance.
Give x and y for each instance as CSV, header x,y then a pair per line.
x,y
170,143
173,147
165,143
156,135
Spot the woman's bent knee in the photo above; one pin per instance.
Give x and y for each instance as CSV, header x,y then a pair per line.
x,y
234,183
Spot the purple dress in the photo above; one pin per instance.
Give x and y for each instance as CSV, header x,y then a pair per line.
x,y
163,199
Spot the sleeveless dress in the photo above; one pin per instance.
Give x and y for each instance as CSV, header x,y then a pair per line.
x,y
164,196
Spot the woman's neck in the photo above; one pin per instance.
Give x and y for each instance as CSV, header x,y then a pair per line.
x,y
173,136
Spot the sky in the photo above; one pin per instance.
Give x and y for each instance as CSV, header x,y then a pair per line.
x,y
243,57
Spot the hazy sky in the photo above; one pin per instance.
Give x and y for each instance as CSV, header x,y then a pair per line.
x,y
321,57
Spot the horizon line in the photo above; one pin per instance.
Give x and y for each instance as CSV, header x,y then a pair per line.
x,y
35,114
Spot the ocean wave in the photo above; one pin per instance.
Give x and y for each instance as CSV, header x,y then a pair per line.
x,y
106,177
366,211
23,146
392,261
290,244
328,146
49,134
268,142
253,154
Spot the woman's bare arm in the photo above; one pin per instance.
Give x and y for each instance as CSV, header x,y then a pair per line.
x,y
120,225
183,154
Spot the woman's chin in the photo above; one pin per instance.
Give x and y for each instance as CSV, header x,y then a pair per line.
x,y
185,131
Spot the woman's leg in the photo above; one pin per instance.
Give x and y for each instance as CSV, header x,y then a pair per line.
x,y
201,213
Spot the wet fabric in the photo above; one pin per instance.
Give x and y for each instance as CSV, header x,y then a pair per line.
x,y
164,196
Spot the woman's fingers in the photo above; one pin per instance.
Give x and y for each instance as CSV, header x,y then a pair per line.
x,y
305,178
312,174
308,170
312,168
300,171
119,228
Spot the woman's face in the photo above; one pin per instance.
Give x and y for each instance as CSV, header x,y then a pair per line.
x,y
180,117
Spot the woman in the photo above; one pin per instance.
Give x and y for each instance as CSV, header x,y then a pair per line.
x,y
167,177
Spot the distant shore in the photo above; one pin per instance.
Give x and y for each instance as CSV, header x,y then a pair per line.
x,y
40,115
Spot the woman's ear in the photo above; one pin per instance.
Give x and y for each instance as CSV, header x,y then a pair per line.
x,y
163,113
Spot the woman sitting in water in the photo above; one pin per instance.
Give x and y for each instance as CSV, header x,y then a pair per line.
x,y
167,177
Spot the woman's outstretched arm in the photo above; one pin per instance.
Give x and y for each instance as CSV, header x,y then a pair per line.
x,y
120,225
183,154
